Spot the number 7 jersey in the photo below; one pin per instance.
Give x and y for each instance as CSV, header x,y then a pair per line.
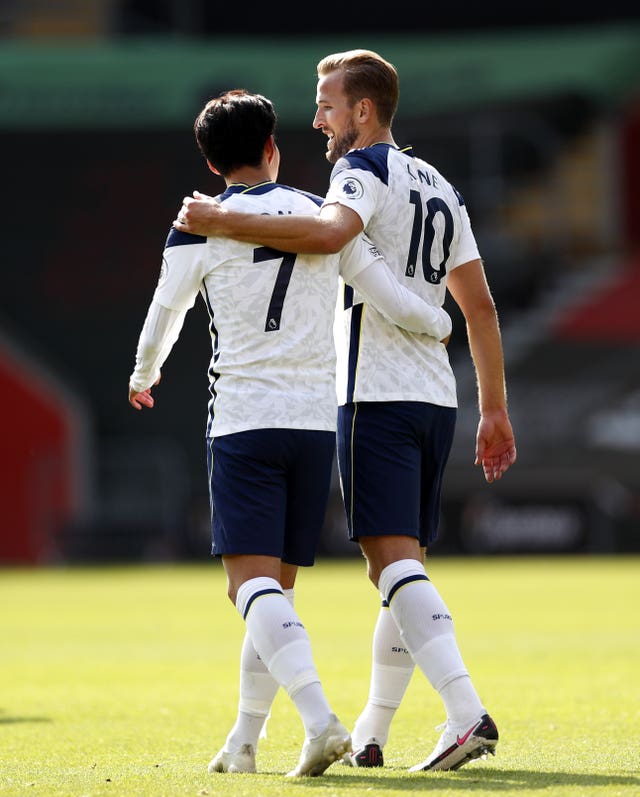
x,y
419,222
271,317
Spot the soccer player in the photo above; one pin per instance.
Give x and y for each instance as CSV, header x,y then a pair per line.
x,y
397,391
271,428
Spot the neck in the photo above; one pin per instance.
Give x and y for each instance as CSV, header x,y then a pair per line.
x,y
248,176
377,135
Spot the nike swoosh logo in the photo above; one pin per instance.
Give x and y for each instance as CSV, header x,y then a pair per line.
x,y
463,739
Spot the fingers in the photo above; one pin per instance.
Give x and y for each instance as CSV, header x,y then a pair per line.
x,y
146,399
140,400
182,220
494,467
186,221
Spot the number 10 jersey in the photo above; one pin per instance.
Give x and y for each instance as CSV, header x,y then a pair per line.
x,y
420,225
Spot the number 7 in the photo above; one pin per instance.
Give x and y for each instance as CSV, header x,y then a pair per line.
x,y
274,313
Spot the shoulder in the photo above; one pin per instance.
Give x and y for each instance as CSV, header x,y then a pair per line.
x,y
178,238
373,159
303,196
270,196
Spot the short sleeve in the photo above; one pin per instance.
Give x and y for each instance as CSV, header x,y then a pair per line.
x,y
356,189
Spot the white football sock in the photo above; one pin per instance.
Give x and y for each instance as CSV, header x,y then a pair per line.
x,y
283,644
391,671
258,689
427,628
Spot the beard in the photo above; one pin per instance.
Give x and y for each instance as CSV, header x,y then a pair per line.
x,y
340,145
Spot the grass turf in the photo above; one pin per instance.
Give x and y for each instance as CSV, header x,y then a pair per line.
x,y
123,681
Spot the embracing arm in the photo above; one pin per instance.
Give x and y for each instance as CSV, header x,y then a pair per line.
x,y
160,331
495,442
379,288
325,233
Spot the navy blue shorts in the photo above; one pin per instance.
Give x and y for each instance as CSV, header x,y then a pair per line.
x,y
391,458
269,490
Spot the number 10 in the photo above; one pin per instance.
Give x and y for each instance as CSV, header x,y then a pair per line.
x,y
433,273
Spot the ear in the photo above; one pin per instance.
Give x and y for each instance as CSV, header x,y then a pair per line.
x,y
213,169
270,149
366,110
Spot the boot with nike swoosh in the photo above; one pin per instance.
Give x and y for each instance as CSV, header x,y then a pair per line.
x,y
460,744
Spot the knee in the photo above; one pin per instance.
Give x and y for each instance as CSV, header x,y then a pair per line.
x,y
374,573
232,592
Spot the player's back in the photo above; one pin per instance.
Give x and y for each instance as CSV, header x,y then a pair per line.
x,y
417,220
272,317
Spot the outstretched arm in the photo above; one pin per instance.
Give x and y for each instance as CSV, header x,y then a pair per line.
x,y
495,442
325,233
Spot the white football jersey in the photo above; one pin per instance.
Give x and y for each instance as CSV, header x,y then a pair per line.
x,y
271,317
419,223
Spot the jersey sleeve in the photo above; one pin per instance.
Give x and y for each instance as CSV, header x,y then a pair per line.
x,y
160,331
355,256
467,247
356,189
399,305
181,274
183,264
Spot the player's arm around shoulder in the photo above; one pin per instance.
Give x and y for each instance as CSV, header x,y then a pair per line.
x,y
323,233
340,225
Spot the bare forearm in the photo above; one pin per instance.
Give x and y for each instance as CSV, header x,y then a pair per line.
x,y
288,233
304,234
485,345
326,233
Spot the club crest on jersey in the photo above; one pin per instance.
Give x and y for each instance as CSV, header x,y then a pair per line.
x,y
352,188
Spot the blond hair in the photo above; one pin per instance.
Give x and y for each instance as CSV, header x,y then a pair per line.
x,y
366,74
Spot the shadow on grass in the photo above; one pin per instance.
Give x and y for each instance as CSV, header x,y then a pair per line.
x,y
15,720
488,780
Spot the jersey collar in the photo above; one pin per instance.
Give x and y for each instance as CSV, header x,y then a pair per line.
x,y
243,188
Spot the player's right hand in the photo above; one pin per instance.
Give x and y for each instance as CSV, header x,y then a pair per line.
x,y
140,400
199,215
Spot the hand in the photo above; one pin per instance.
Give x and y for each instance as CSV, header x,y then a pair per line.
x,y
495,445
199,215
140,399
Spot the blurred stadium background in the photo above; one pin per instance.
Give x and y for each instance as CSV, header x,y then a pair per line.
x,y
533,113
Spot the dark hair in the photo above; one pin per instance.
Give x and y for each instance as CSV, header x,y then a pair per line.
x,y
366,74
232,129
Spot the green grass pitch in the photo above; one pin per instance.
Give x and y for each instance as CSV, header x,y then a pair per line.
x,y
124,680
